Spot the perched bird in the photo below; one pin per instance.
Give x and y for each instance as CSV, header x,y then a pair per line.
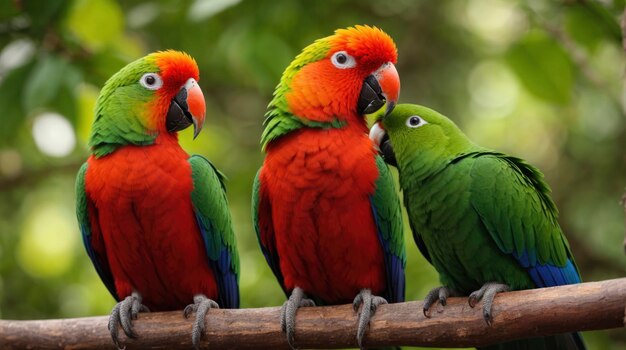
x,y
325,209
483,219
155,221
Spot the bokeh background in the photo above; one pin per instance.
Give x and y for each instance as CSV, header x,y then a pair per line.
x,y
542,80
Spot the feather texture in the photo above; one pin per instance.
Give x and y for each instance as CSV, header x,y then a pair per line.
x,y
477,215
154,220
211,208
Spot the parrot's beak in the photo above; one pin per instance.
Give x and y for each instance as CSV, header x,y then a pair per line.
x,y
187,108
380,138
382,86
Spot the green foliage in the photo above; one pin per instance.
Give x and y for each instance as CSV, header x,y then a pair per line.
x,y
51,84
10,100
543,66
555,102
589,29
87,19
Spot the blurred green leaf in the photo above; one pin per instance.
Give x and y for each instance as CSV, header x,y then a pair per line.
x,y
97,23
542,66
11,88
43,83
604,17
8,9
44,13
262,54
51,84
101,65
586,28
65,102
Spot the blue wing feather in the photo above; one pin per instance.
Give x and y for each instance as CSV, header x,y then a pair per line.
x,y
548,275
394,267
222,267
388,218
214,222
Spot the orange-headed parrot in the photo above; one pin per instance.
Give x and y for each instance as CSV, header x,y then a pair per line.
x,y
154,220
325,207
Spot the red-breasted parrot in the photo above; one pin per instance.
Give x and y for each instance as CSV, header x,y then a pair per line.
x,y
154,220
483,219
325,209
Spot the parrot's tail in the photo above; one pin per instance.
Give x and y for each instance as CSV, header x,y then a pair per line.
x,y
566,341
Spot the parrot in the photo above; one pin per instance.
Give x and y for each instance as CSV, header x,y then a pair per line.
x,y
324,205
155,221
484,219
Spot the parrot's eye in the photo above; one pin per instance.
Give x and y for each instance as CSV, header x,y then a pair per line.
x,y
151,81
415,121
342,60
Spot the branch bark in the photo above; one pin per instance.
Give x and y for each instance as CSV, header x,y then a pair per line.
x,y
519,314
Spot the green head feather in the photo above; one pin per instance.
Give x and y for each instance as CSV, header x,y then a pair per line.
x,y
122,109
424,140
279,120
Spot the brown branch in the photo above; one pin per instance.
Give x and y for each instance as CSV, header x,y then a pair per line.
x,y
520,314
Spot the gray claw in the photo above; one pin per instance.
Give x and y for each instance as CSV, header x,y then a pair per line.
x,y
369,305
440,294
201,306
487,293
122,315
288,313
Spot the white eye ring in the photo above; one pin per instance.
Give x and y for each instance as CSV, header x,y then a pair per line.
x,y
415,121
342,60
151,81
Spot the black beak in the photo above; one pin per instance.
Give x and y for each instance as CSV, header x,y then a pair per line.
x,y
178,116
386,151
371,97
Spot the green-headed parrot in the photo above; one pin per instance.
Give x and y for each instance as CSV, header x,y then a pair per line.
x,y
483,219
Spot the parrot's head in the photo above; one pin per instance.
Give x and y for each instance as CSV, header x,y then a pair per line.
x,y
155,95
418,137
336,80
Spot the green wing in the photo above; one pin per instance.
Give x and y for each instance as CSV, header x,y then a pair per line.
x,y
514,204
388,215
263,225
86,214
214,220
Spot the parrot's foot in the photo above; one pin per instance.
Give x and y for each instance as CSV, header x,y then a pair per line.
x,y
487,293
288,313
122,315
201,305
369,304
440,294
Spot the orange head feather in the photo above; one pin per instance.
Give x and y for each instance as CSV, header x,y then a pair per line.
x,y
335,81
155,95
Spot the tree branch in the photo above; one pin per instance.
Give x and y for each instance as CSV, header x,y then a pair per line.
x,y
519,314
